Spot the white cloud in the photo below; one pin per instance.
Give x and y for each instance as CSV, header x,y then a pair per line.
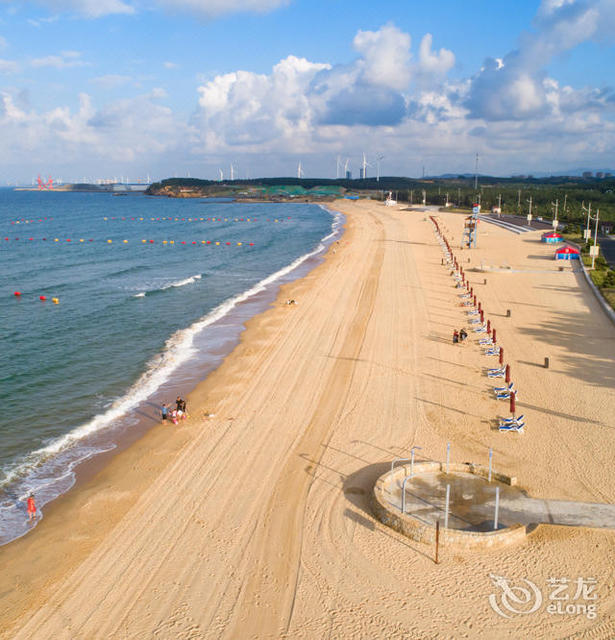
x,y
8,66
385,56
3,43
207,8
434,63
170,65
87,8
111,81
66,60
514,87
214,8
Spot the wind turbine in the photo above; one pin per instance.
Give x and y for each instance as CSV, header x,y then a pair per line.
x,y
346,164
232,171
378,159
364,167
300,173
221,174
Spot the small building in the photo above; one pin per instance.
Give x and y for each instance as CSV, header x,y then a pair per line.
x,y
606,227
551,237
567,253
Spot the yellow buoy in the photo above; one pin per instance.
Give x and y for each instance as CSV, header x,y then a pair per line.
x,y
80,239
171,241
55,300
144,241
55,240
164,242
125,241
109,241
217,243
239,244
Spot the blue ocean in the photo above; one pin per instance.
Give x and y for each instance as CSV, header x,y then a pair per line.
x,y
144,287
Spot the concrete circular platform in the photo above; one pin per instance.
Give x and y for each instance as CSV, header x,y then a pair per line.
x,y
471,505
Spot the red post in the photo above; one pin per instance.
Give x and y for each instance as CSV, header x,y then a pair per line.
x,y
501,353
489,327
507,373
472,292
480,307
482,316
512,404
474,300
493,337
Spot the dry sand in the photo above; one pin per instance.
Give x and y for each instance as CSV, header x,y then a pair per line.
x,y
256,523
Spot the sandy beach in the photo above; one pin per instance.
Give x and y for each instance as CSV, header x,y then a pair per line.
x,y
256,522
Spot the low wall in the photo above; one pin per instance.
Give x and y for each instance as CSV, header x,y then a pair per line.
x,y
449,538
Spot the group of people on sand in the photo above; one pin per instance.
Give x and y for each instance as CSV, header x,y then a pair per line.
x,y
459,336
177,414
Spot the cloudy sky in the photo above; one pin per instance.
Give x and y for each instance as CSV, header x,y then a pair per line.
x,y
104,88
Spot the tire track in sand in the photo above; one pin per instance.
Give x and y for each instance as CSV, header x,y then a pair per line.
x,y
264,608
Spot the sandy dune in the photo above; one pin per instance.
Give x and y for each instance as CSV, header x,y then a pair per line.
x,y
256,523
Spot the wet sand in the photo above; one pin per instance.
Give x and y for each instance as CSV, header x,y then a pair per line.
x,y
256,522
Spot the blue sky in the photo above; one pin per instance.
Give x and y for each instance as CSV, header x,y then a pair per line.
x,y
104,88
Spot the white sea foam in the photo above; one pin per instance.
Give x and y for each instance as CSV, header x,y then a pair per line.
x,y
178,349
182,283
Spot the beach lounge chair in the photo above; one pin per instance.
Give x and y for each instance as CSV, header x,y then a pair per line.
x,y
514,420
509,387
486,343
493,351
504,395
517,427
496,373
473,312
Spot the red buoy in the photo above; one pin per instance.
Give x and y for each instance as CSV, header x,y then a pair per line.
x,y
42,298
17,293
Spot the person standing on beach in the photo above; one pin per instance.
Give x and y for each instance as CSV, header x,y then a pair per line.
x,y
164,410
31,508
179,403
183,409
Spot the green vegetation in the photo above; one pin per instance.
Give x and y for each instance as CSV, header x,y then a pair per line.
x,y
602,275
570,192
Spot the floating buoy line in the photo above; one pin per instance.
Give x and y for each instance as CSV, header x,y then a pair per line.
x,y
142,241
32,221
177,219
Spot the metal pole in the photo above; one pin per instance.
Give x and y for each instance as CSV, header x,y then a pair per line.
x,y
437,539
448,496
448,455
490,461
403,493
595,238
497,508
412,459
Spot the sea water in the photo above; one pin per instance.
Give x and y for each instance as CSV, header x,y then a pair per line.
x,y
143,284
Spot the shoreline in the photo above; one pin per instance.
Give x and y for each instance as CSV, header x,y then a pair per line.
x,y
257,522
213,343
134,445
